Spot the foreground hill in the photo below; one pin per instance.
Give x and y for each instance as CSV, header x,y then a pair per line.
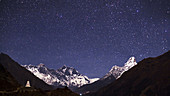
x,y
111,76
9,86
22,91
7,81
96,85
151,77
21,74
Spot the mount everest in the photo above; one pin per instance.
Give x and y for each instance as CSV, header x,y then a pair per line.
x,y
64,76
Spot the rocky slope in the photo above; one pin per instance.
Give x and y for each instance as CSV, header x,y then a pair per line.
x,y
7,81
21,74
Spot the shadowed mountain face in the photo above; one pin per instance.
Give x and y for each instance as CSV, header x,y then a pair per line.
x,y
36,92
10,87
149,78
21,74
111,76
7,81
96,85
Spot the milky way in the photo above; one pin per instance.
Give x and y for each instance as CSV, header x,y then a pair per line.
x,y
89,35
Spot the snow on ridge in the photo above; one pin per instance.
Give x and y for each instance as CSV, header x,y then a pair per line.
x,y
64,76
68,76
117,71
93,80
48,78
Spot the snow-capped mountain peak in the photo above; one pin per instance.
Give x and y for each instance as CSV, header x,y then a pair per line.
x,y
68,70
64,76
131,62
41,65
115,67
117,71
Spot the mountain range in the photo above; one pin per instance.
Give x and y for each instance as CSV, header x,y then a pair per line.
x,y
70,77
64,76
151,77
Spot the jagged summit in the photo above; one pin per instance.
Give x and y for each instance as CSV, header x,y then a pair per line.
x,y
149,78
41,65
111,76
64,66
68,70
131,62
64,76
117,71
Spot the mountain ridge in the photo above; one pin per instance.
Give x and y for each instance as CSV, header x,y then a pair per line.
x,y
64,76
149,78
21,74
7,81
114,73
117,71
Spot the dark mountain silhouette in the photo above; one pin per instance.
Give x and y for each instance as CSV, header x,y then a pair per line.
x,y
111,76
21,74
96,85
7,81
22,91
151,77
9,86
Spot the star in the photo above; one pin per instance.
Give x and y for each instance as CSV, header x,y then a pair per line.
x,y
137,11
84,35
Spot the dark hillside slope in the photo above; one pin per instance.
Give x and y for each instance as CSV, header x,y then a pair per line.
x,y
7,81
96,85
21,74
151,77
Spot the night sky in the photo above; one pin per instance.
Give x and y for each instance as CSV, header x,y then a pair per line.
x,y
89,35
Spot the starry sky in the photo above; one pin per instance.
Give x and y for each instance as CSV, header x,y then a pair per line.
x,y
89,35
